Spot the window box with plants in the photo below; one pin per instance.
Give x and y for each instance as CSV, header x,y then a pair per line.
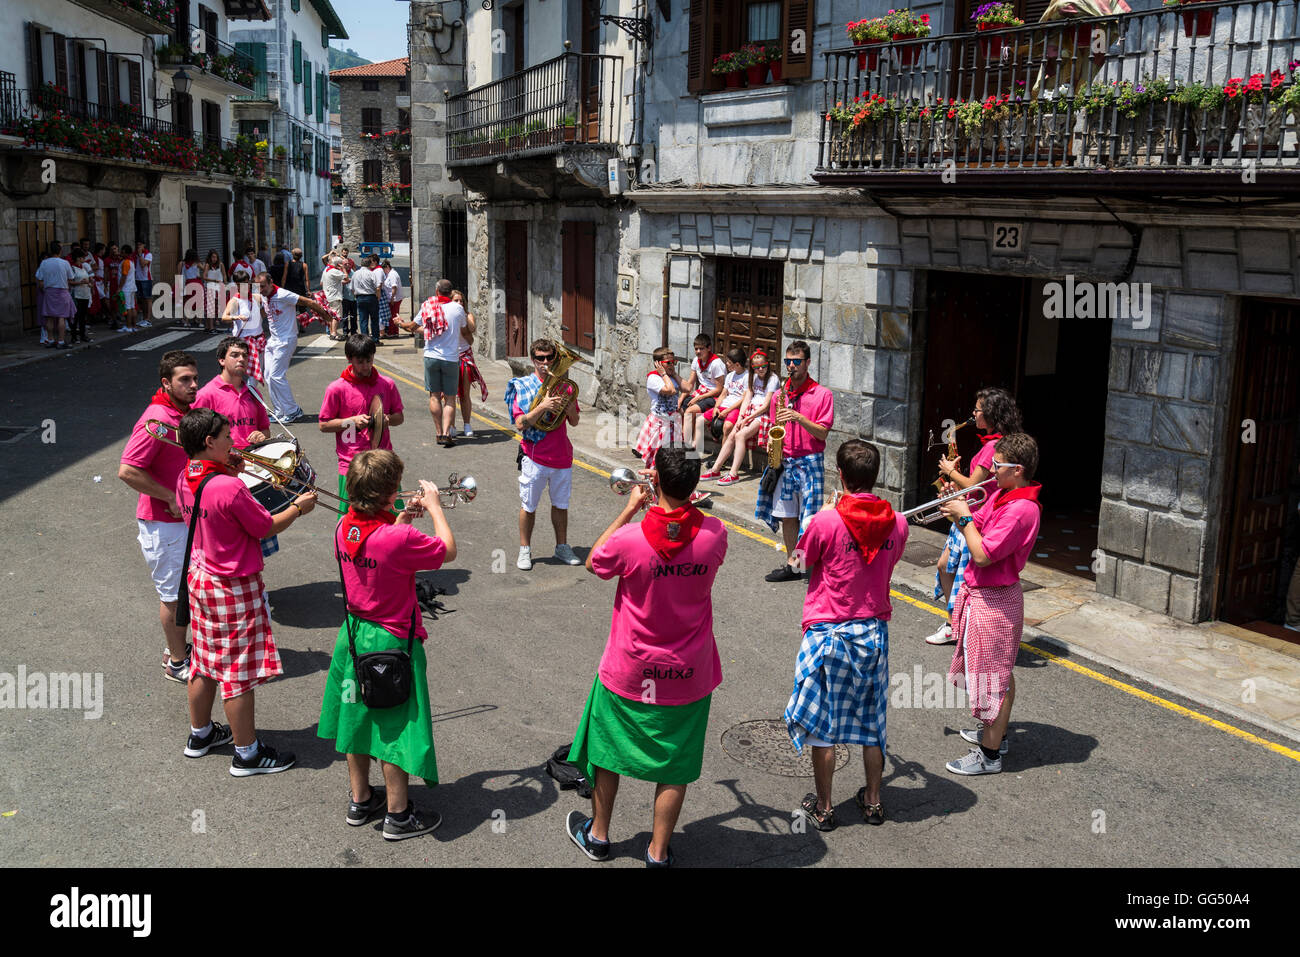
x,y
569,126
1211,121
867,33
994,16
904,25
538,135
1129,123
731,66
1196,23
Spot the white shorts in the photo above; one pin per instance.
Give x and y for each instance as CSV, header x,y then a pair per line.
x,y
163,544
534,479
128,298
783,508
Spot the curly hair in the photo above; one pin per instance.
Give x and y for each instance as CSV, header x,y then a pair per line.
x,y
1000,411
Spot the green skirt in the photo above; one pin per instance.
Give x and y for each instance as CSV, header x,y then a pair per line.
x,y
649,742
402,735
343,496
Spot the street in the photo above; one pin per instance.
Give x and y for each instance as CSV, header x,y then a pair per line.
x,y
1094,777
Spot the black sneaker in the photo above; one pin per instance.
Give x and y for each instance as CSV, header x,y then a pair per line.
x,y
578,826
266,761
783,574
196,747
651,862
412,825
359,814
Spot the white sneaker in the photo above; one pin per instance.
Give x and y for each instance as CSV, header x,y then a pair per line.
x,y
525,562
976,736
941,637
469,433
975,763
565,554
144,324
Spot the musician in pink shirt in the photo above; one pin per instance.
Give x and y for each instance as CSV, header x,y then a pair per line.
x,y
988,616
349,408
229,394
648,710
378,554
234,650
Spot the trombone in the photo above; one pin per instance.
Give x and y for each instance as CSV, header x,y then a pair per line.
x,y
281,472
929,512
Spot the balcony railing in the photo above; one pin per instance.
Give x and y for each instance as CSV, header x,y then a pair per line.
x,y
142,15
52,119
216,57
1205,85
574,98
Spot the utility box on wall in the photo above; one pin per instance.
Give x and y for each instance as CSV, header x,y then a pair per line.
x,y
617,177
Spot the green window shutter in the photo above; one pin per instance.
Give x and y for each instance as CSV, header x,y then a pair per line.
x,y
297,5
297,62
306,88
322,92
324,36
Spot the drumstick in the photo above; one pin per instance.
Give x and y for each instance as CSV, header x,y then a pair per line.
x,y
376,421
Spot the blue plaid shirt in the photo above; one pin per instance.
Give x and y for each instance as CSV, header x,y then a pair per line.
x,y
523,391
803,474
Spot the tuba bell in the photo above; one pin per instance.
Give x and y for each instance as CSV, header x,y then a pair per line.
x,y
557,383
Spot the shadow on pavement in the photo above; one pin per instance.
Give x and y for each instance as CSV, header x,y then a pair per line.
x,y
313,605
940,793
447,579
299,664
777,837
493,797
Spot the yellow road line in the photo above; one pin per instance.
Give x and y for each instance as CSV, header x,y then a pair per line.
x,y
1205,719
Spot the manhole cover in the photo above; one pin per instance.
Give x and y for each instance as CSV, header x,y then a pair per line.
x,y
765,746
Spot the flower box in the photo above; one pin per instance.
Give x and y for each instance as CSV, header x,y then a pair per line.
x,y
869,59
906,55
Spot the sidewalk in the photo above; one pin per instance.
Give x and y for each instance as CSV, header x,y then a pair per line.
x,y
1253,678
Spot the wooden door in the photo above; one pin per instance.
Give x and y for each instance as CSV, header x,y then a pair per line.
x,y
747,308
1262,472
33,236
517,287
590,73
167,258
579,284
973,341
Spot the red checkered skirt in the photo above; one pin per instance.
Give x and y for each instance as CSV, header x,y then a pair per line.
x,y
231,631
988,623
655,433
759,438
256,346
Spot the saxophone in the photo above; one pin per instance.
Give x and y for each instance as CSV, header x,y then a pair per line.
x,y
557,383
776,434
938,483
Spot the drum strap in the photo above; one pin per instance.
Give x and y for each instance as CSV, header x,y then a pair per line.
x,y
183,594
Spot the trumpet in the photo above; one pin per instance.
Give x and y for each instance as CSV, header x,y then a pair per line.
x,y
622,481
929,512
457,489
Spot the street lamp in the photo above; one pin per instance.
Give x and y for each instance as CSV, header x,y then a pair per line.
x,y
180,84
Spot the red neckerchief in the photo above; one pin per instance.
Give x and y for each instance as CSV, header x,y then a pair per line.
x,y
350,375
808,383
274,290
669,532
708,362
199,469
991,437
869,520
1029,493
162,398
358,526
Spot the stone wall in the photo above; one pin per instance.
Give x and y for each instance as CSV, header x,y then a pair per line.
x,y
354,151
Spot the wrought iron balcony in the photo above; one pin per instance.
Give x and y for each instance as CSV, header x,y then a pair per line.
x,y
218,60
574,98
145,16
1201,88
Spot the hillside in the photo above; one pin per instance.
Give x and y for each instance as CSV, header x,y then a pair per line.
x,y
341,60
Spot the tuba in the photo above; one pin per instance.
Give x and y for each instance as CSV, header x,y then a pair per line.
x,y
557,383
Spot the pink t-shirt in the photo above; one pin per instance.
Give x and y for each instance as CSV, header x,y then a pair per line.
x,y
983,458
1008,533
818,404
344,399
231,526
381,579
662,626
841,585
245,413
161,460
555,451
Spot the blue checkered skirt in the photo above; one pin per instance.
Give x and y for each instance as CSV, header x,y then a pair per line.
x,y
958,558
804,475
841,684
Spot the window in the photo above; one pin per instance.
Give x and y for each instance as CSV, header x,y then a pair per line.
x,y
306,88
211,121
325,36
297,61
257,53
404,170
182,113
372,119
401,86
133,87
322,92
403,119
399,225
578,284
296,5
718,26
372,228
372,172
369,86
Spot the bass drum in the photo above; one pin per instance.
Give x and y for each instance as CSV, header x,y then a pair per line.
x,y
288,457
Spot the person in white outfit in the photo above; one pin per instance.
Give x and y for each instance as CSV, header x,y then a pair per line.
x,y
281,311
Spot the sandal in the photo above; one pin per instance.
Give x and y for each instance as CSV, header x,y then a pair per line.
x,y
822,820
871,813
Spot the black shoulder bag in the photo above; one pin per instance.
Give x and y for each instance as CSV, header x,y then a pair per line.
x,y
183,593
384,676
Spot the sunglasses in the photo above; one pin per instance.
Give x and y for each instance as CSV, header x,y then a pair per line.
x,y
793,362
1005,465
544,358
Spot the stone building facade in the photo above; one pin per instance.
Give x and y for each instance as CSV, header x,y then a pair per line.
x,y
375,151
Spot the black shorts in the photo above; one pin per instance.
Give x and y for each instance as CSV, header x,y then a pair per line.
x,y
703,404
